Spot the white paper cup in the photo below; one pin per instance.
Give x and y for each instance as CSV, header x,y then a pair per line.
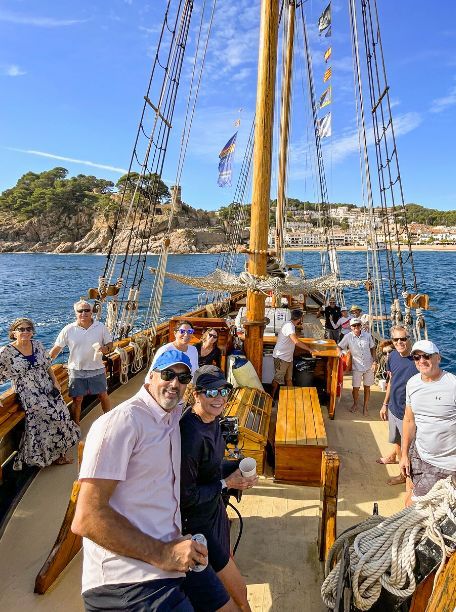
x,y
248,467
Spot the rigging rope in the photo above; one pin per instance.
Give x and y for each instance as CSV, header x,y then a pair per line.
x,y
123,356
383,552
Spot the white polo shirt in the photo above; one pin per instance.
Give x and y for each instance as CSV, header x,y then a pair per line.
x,y
360,348
138,444
80,342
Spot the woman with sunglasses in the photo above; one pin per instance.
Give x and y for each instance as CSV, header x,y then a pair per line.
x,y
49,431
203,450
183,333
208,351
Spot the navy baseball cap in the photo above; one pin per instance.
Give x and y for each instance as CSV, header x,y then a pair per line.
x,y
210,377
170,358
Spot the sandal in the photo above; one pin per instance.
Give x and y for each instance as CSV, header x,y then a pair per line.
x,y
386,461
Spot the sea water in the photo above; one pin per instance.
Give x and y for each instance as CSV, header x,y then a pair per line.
x,y
45,286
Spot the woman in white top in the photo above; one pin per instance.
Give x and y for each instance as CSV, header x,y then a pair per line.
x,y
183,332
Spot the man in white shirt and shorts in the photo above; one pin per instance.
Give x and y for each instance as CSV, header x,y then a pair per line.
x,y
429,426
128,510
362,348
283,352
88,340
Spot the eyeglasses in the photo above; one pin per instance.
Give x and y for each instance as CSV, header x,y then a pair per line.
x,y
425,356
24,329
186,331
213,336
183,378
224,392
84,310
403,339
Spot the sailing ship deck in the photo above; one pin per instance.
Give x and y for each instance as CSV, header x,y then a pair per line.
x,y
278,552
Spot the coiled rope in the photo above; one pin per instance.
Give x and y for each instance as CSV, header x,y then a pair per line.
x,y
140,344
123,356
383,552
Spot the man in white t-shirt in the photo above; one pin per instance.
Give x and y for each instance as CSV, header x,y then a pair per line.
x,y
283,352
429,427
128,509
88,340
362,348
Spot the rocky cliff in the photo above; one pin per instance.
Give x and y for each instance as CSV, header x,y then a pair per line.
x,y
192,231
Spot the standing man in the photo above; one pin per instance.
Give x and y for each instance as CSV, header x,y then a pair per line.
x,y
332,314
128,508
284,351
357,312
429,431
362,348
400,367
88,340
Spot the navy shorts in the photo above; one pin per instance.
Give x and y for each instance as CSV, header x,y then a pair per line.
x,y
94,385
152,595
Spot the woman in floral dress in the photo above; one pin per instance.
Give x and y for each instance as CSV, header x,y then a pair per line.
x,y
49,430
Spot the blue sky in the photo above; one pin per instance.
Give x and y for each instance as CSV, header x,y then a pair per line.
x,y
73,76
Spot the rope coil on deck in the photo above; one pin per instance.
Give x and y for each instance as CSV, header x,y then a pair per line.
x,y
382,552
139,344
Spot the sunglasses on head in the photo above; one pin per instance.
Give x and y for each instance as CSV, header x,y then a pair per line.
x,y
401,339
224,392
24,329
186,331
183,378
80,310
425,356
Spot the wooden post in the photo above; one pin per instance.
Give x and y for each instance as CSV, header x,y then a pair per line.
x,y
261,179
284,129
328,502
443,597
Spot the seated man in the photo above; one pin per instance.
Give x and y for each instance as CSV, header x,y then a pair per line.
x,y
135,557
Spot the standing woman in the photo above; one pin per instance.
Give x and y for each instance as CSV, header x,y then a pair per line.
x,y
208,351
183,333
202,452
49,430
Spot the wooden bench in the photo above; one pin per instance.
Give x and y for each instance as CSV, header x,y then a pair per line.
x,y
300,436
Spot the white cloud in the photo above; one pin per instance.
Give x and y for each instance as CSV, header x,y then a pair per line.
x,y
13,71
70,159
441,104
41,22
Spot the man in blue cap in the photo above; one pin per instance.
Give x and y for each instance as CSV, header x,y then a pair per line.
x,y
128,510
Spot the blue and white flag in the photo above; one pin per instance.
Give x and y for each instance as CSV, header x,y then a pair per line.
x,y
226,159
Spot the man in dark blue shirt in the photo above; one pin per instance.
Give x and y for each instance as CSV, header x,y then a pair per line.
x,y
400,367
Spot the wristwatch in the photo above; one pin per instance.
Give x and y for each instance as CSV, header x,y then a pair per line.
x,y
224,485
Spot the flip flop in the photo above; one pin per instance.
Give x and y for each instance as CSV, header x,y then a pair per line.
x,y
395,480
385,461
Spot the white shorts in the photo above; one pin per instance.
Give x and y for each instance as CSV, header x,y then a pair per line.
x,y
366,377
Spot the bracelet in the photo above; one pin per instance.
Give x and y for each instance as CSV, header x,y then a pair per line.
x,y
384,404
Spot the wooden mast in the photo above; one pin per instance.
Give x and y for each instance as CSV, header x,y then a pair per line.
x,y
284,129
261,180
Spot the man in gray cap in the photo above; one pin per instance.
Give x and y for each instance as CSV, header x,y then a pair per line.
x,y
429,429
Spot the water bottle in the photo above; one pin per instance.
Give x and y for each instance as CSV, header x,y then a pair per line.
x,y
200,538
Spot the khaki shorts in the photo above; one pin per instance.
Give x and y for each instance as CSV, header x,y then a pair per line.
x,y
367,378
283,370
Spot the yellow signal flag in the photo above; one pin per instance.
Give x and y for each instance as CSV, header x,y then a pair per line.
x,y
328,54
327,75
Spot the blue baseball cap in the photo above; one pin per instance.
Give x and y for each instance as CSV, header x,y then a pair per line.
x,y
170,358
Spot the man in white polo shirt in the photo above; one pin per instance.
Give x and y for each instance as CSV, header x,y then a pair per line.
x,y
128,510
362,348
88,340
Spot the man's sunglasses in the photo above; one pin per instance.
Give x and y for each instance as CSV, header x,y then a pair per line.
x,y
403,339
425,356
183,378
224,392
24,329
84,310
186,331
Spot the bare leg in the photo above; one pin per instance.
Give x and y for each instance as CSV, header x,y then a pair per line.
x,y
409,492
235,585
275,387
396,455
76,409
355,394
289,383
105,401
230,606
367,392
